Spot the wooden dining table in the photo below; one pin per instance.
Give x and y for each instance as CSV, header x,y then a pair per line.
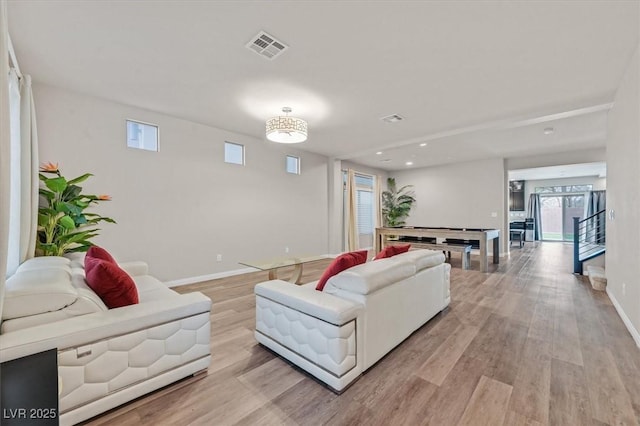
x,y
484,236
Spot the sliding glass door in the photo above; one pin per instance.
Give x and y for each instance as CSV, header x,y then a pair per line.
x,y
558,212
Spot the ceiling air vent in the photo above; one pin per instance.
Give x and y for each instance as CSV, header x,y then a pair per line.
x,y
266,45
393,118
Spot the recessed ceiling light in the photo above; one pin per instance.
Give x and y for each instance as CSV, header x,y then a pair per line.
x,y
423,144
548,130
409,163
379,153
386,160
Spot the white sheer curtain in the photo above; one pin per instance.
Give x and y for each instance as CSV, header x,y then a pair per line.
x,y
29,181
5,148
351,222
18,163
378,202
13,248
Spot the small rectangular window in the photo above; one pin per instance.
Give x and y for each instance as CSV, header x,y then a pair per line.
x,y
293,165
142,135
233,153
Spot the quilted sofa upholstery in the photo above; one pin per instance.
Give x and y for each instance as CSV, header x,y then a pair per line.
x,y
106,357
328,346
362,314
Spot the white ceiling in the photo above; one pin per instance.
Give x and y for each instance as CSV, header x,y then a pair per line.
x,y
473,79
583,130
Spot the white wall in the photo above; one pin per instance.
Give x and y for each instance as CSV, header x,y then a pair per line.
x,y
334,183
180,207
530,187
345,164
462,195
557,159
623,197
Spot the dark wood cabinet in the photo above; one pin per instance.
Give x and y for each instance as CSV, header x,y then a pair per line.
x,y
516,195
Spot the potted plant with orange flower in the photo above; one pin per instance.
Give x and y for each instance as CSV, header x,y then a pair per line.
x,y
63,224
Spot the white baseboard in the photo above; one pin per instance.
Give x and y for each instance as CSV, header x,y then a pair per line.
x,y
201,278
625,318
225,274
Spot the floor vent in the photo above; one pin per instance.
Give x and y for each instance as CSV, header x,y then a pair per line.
x,y
266,45
393,118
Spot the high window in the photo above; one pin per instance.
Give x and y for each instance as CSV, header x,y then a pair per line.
x,y
293,165
234,153
142,135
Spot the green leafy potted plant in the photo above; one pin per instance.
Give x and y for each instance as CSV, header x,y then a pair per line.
x,y
63,224
396,203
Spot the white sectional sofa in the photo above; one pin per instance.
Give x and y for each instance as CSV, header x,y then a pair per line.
x,y
362,313
106,357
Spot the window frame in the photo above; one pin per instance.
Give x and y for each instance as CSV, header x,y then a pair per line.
x,y
144,123
369,189
564,189
359,187
298,165
243,159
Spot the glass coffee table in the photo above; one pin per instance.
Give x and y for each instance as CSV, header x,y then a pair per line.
x,y
272,265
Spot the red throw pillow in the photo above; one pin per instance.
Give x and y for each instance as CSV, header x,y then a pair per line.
x,y
113,285
390,251
100,253
340,263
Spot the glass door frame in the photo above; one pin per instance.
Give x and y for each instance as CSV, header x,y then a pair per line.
x,y
358,187
564,197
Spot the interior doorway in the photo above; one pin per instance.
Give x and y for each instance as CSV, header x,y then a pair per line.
x,y
557,213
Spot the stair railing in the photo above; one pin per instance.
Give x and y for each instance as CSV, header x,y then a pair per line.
x,y
589,238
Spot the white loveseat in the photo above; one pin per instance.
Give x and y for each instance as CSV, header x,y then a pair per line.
x,y
106,357
362,314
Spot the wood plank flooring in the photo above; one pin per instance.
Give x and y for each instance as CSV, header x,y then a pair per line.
x,y
527,344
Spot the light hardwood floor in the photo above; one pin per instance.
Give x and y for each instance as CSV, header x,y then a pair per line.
x,y
528,344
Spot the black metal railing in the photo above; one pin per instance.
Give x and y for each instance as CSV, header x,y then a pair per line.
x,y
589,238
